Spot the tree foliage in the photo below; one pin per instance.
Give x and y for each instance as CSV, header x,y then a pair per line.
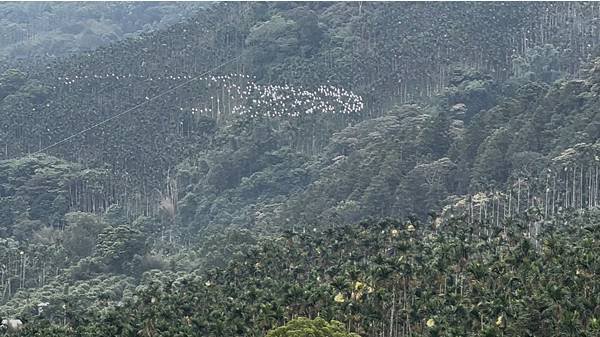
x,y
303,327
231,202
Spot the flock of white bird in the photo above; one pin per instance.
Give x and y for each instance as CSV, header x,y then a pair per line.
x,y
285,100
72,79
240,94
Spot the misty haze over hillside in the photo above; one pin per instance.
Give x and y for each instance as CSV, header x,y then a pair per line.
x,y
296,169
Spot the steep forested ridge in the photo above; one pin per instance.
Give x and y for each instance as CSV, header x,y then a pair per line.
x,y
35,32
254,137
302,47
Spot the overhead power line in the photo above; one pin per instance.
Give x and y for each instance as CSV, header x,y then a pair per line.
x,y
148,100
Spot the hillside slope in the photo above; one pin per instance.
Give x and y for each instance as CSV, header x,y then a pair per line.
x,y
41,31
254,133
368,49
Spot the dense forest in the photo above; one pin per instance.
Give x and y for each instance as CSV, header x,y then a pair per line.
x,y
303,169
37,32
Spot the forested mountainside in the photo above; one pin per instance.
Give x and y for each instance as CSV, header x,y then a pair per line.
x,y
377,278
309,70
35,32
229,173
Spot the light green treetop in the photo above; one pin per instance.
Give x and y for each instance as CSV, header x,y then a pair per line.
x,y
305,327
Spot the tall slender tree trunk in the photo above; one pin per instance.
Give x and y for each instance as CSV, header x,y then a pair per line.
x,y
393,310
